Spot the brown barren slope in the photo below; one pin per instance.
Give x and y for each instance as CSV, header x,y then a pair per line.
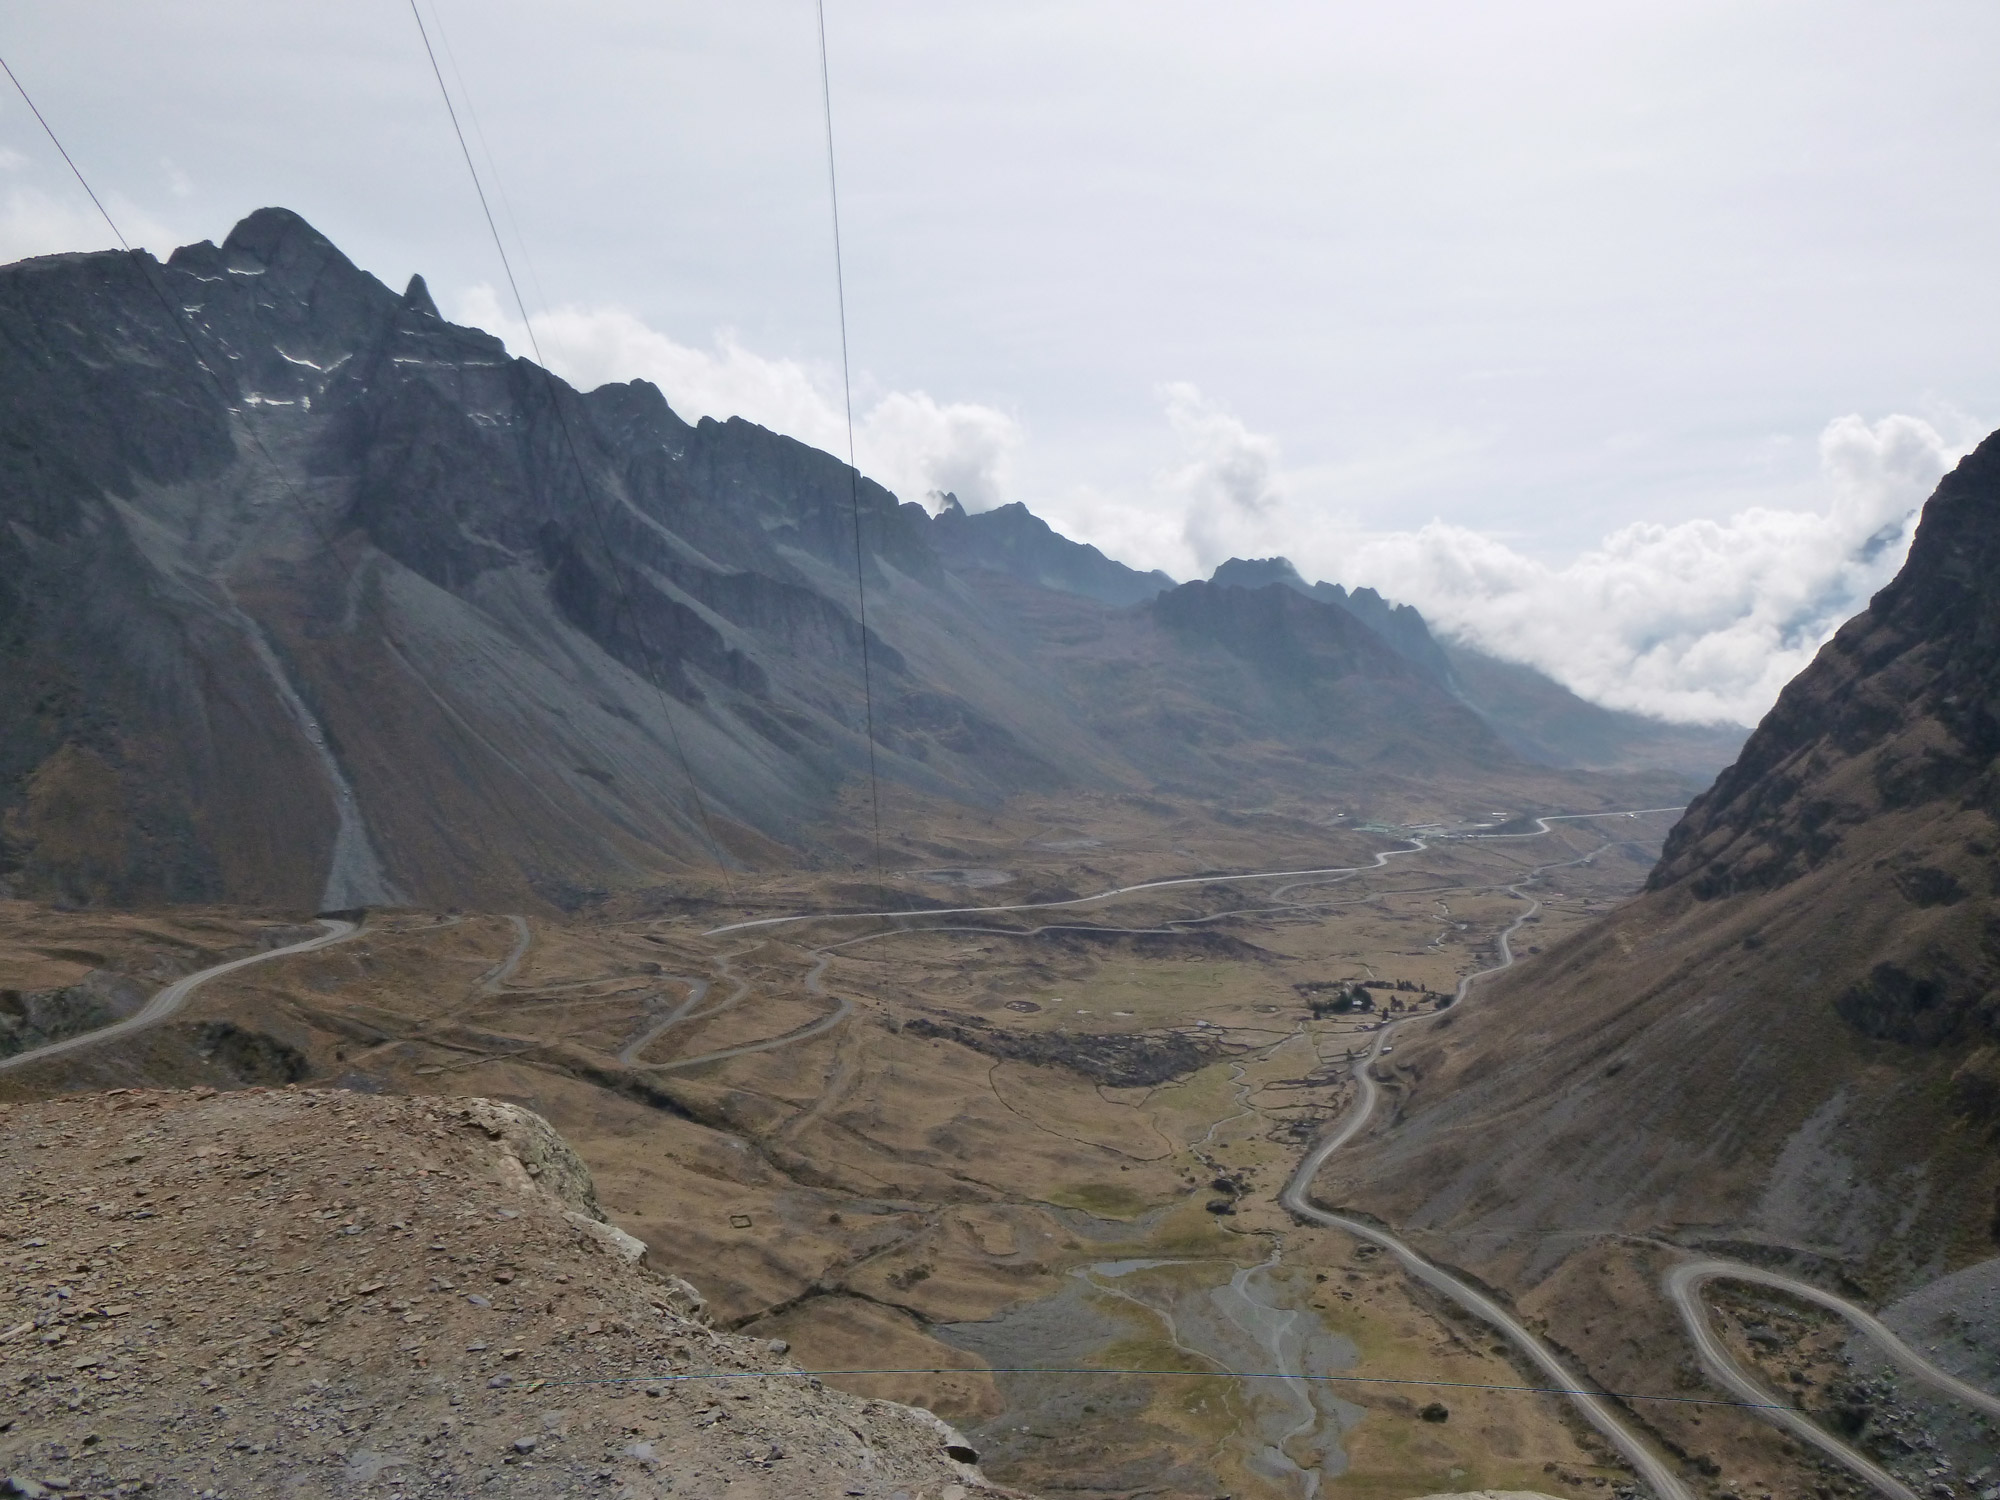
x,y
320,1293
1787,1049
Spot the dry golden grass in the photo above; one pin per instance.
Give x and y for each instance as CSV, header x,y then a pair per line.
x,y
860,1191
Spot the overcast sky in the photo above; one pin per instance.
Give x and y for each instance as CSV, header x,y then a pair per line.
x,y
1607,333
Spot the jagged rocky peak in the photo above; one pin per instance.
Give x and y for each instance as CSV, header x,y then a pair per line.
x,y
417,298
1899,710
1013,541
1259,572
1283,630
1402,626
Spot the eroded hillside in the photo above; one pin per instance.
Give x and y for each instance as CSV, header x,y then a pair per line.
x,y
323,1293
1785,1050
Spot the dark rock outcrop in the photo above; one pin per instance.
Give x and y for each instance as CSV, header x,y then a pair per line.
x,y
1788,1041
1899,710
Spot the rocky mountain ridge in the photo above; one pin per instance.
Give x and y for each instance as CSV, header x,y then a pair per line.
x,y
1537,718
317,600
1788,1042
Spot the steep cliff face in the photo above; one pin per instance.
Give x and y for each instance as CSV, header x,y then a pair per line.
x,y
1900,710
316,597
1793,1037
1894,727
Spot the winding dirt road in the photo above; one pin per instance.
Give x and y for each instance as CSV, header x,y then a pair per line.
x,y
169,1000
1683,1286
842,1009
1296,1199
1296,1194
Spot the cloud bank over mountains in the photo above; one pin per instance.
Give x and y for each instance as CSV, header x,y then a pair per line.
x,y
1703,620
1699,621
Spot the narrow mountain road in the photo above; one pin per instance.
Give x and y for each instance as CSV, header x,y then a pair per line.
x,y
697,992
1417,846
843,1008
169,1000
1683,1286
495,979
1296,1198
1296,1195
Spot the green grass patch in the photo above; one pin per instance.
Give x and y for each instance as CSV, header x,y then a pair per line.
x,y
1103,1200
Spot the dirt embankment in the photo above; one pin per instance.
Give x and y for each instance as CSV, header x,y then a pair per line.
x,y
1117,1059
319,1292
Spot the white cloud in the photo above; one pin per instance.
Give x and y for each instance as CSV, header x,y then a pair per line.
x,y
906,440
918,446
1227,486
1700,621
33,222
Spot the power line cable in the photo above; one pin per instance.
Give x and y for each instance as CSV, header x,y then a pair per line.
x,y
492,162
583,479
75,171
177,314
853,472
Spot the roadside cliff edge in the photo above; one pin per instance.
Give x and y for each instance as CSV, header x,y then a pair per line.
x,y
312,1291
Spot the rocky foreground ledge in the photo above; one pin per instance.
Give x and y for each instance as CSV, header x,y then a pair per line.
x,y
308,1292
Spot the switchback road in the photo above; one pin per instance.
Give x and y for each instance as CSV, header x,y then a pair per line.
x,y
1683,1286
174,996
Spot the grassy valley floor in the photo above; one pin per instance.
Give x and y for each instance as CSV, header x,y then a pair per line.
x,y
949,1151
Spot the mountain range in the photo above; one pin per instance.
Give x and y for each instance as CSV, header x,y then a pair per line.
x,y
313,598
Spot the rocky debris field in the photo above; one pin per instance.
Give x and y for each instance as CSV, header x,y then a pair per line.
x,y
1118,1060
314,1292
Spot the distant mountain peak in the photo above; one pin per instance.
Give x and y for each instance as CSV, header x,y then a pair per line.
x,y
1013,540
1257,572
417,298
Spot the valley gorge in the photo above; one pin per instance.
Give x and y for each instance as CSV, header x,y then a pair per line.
x,y
1192,1038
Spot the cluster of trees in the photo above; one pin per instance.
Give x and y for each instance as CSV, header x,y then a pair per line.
x,y
1340,997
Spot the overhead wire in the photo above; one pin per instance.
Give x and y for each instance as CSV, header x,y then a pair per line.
x,y
591,509
492,161
853,471
178,316
68,161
